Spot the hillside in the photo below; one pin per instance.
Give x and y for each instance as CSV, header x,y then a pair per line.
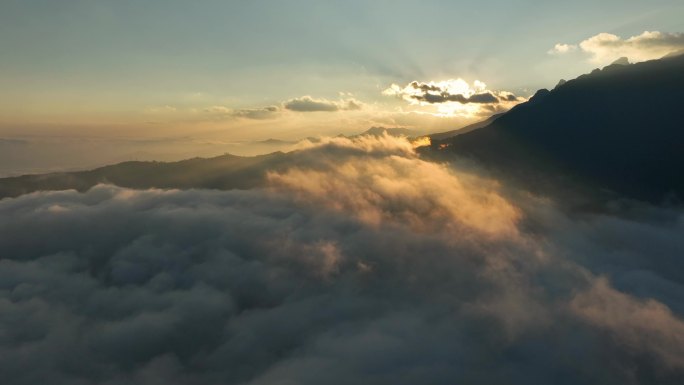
x,y
222,172
618,129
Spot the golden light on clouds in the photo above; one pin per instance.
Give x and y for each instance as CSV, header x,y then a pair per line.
x,y
395,185
451,86
454,97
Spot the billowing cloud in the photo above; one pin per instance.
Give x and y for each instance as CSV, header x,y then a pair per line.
x,y
362,263
640,324
605,47
309,104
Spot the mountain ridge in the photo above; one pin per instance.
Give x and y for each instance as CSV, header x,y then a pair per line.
x,y
617,128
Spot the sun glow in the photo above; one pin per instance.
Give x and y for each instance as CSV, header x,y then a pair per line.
x,y
454,97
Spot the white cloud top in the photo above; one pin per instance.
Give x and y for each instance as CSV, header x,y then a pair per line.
x,y
604,48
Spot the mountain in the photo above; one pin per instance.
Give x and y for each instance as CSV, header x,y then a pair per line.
x,y
275,142
618,129
222,172
463,130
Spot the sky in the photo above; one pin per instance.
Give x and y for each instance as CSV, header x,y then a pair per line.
x,y
204,75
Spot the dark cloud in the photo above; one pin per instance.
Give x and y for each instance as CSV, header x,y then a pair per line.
x,y
363,264
309,104
509,97
425,87
435,93
443,97
483,98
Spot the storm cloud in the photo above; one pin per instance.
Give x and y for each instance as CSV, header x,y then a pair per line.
x,y
361,264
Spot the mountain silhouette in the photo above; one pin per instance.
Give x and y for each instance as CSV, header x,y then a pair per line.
x,y
463,130
221,172
393,131
618,129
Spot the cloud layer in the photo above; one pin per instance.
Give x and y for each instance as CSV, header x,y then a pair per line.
x,y
362,264
603,48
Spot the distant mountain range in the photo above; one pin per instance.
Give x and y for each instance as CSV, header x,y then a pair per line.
x,y
394,131
223,172
618,129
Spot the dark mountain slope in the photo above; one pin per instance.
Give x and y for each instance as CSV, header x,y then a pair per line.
x,y
619,128
464,130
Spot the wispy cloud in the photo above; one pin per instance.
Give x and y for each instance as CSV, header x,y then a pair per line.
x,y
270,112
310,104
303,104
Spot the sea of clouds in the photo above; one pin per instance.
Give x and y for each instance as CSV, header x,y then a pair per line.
x,y
362,264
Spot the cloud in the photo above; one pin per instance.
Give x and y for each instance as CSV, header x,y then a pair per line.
x,y
269,112
640,324
362,263
453,90
161,109
562,49
443,97
309,104
455,97
303,104
397,185
604,48
218,110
